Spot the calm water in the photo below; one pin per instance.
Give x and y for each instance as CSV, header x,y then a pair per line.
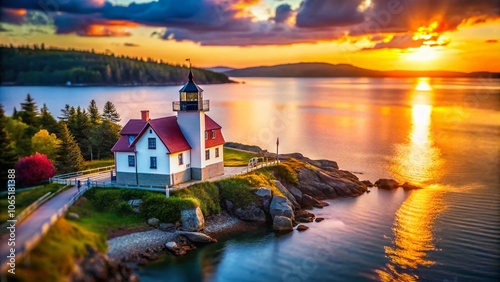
x,y
442,134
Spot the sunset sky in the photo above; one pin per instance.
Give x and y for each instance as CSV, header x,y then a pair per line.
x,y
457,35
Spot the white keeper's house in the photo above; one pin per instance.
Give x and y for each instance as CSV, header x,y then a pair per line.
x,y
170,150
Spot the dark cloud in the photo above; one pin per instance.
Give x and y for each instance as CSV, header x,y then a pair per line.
x,y
13,16
225,22
128,44
491,41
283,13
324,13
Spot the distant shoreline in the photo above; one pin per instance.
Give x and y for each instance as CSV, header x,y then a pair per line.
x,y
107,85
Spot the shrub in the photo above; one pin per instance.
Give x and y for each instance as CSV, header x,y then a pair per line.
x,y
237,190
165,209
124,208
206,194
106,199
32,170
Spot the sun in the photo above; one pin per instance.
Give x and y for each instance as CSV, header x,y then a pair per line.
x,y
422,54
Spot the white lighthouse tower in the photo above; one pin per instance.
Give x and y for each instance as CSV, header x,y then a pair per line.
x,y
191,110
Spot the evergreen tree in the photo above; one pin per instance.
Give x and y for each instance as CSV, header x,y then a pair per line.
x,y
110,113
15,113
47,121
69,157
95,117
107,135
8,155
29,112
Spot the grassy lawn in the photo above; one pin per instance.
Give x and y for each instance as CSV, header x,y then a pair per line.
x,y
26,198
105,222
237,158
99,163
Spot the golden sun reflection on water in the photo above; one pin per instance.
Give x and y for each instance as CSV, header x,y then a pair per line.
x,y
417,161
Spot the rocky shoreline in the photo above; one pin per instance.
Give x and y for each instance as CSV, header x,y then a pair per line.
x,y
282,207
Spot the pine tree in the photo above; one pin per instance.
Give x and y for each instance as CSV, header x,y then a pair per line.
x,y
94,115
110,113
69,157
29,112
8,156
47,121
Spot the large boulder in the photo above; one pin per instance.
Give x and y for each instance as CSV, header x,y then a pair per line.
x,y
154,222
192,219
280,206
282,224
304,216
265,195
287,194
410,186
197,237
387,184
251,213
295,192
309,202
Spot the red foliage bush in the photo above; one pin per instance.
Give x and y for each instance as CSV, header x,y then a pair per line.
x,y
32,170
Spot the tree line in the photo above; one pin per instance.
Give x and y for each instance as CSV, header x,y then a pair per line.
x,y
37,65
75,136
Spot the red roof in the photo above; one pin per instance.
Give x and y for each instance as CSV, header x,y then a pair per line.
x,y
133,127
122,145
210,125
169,133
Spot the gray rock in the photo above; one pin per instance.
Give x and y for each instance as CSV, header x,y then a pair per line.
x,y
192,219
282,224
302,227
167,227
295,192
136,204
387,184
229,205
171,246
154,221
197,237
368,183
73,215
287,194
280,206
265,195
251,213
309,202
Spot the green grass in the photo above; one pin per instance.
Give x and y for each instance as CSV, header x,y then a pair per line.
x,y
99,163
237,158
26,198
206,193
54,257
105,222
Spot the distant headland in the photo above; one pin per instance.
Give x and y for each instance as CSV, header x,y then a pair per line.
x,y
342,70
41,66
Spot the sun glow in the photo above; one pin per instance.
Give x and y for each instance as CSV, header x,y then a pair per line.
x,y
422,54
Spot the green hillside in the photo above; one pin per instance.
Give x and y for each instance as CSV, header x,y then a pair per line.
x,y
35,65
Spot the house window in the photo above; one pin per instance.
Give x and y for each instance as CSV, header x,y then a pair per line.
x,y
207,154
206,135
131,139
131,160
181,160
150,131
152,162
151,143
216,152
213,134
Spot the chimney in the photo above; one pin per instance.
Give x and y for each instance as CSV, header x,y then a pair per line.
x,y
145,115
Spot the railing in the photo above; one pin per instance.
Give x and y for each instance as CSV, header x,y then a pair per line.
x,y
83,172
202,105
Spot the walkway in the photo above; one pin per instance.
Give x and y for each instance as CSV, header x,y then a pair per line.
x,y
31,229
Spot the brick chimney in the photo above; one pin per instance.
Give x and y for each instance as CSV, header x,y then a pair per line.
x,y
145,115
